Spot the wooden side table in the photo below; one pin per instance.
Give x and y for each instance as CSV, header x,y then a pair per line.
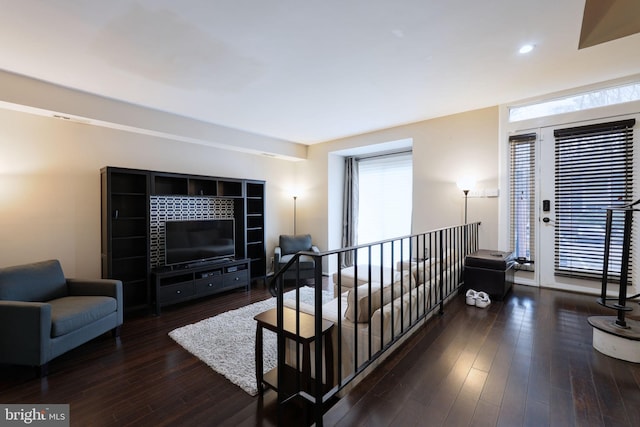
x,y
306,336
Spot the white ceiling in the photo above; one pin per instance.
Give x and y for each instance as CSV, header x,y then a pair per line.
x,y
309,70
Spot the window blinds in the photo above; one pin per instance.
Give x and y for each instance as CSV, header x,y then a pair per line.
x,y
594,170
385,198
522,198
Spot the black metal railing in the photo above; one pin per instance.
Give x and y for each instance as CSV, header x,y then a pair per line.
x,y
392,287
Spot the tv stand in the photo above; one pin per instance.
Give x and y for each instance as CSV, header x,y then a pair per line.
x,y
210,263
172,286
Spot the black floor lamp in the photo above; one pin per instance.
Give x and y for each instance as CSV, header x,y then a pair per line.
x,y
466,197
294,214
465,184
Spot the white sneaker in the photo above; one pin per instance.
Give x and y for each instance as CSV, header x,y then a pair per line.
x,y
482,300
471,297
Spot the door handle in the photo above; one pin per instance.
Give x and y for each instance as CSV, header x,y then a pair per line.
x,y
547,220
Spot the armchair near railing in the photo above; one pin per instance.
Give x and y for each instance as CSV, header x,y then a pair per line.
x,y
288,246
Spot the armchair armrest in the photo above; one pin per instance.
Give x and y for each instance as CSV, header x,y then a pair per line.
x,y
25,329
95,287
277,254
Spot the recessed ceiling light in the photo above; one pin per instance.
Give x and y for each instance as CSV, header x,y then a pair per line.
x,y
526,48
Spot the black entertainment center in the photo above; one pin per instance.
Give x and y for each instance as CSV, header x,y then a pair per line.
x,y
173,237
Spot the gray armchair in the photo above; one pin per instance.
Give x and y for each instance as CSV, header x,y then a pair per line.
x,y
287,248
43,314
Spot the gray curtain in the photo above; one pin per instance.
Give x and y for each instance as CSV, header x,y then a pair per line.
x,y
350,209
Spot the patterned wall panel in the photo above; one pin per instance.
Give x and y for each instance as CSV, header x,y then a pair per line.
x,y
174,208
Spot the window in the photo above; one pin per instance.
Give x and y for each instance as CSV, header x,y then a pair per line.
x,y
583,101
594,170
522,196
385,200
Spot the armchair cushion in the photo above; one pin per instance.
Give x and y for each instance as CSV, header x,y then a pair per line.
x,y
72,313
292,244
306,262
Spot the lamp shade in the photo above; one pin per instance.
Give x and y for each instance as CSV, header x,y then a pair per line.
x,y
466,183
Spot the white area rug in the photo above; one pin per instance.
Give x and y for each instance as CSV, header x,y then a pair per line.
x,y
226,342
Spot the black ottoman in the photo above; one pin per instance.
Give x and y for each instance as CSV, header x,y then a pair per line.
x,y
490,271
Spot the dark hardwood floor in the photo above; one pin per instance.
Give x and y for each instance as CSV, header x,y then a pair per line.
x,y
525,361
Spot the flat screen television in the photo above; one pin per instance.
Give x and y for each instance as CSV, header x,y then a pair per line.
x,y
188,242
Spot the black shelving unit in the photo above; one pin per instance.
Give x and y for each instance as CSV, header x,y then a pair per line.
x,y
125,233
255,199
126,222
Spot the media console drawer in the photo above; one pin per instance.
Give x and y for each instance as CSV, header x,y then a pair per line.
x,y
208,284
178,285
175,292
235,278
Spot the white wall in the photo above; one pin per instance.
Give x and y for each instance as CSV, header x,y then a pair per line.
x,y
444,149
50,181
50,184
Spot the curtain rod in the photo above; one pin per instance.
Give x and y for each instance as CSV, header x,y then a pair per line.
x,y
388,154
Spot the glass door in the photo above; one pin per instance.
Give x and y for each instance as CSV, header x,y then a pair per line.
x,y
583,168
